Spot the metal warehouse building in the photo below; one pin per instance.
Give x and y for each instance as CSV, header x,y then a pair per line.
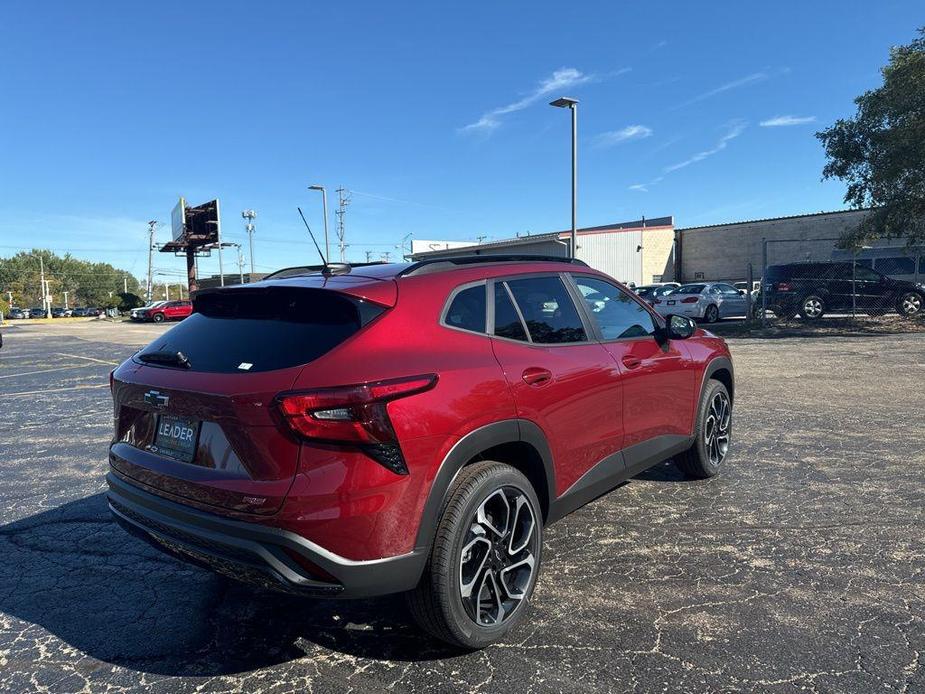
x,y
640,251
724,251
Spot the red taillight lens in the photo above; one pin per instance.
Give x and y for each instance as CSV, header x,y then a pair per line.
x,y
353,414
690,300
784,287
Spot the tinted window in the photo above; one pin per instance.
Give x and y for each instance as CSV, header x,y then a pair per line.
x,y
467,311
614,311
268,328
922,265
898,265
507,322
690,289
726,289
548,310
866,274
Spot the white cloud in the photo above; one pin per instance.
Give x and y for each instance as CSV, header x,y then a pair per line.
x,y
640,187
616,137
780,121
559,80
735,129
735,84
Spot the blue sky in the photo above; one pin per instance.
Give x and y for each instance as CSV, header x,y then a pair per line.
x,y
435,115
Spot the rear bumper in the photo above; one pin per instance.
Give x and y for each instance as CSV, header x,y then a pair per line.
x,y
256,553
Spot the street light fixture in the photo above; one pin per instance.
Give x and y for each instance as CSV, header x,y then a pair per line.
x,y
249,216
572,105
324,203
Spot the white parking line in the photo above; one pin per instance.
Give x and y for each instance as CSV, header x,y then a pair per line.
x,y
98,361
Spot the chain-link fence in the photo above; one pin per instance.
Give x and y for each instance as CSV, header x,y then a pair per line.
x,y
806,280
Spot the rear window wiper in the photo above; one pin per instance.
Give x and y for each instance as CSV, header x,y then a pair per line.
x,y
167,358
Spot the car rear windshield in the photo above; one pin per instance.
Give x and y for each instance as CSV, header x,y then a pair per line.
x,y
689,289
244,330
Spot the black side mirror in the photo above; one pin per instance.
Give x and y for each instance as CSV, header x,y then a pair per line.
x,y
679,327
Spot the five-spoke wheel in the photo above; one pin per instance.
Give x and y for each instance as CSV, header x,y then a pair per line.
x,y
485,558
499,556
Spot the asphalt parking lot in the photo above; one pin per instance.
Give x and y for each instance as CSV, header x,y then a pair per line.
x,y
801,567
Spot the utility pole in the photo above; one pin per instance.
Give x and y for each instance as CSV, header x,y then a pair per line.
x,y
166,292
65,301
42,280
369,259
250,216
343,199
386,256
240,263
149,289
125,285
480,239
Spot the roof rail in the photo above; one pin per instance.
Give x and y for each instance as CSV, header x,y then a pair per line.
x,y
423,267
334,269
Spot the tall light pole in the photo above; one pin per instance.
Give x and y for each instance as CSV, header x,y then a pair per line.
x,y
572,104
149,290
324,203
250,216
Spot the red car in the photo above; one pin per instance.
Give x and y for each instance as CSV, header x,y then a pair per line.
x,y
167,310
407,427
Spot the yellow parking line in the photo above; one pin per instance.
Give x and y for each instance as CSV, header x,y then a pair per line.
x,y
53,390
98,361
44,371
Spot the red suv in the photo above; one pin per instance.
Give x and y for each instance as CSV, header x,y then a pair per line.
x,y
167,310
407,427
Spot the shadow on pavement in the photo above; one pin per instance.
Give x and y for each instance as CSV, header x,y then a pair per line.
x,y
76,574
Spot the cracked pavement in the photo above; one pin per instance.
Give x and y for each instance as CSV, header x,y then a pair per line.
x,y
800,568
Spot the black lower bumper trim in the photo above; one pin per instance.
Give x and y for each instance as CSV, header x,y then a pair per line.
x,y
255,553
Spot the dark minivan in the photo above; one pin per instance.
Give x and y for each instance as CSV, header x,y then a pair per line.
x,y
814,289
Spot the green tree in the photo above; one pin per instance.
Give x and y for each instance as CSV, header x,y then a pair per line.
x,y
880,152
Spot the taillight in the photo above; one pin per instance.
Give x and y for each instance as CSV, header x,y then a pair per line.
x,y
784,287
690,300
354,415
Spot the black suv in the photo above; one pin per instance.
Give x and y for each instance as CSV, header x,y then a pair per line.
x,y
813,289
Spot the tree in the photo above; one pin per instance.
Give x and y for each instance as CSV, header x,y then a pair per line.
x,y
880,152
128,301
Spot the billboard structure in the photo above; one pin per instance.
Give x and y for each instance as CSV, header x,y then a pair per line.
x,y
196,232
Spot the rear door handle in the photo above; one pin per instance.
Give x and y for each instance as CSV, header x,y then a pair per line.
x,y
631,362
536,376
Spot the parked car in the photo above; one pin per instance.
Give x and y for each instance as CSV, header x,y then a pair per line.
x,y
743,287
651,292
137,313
18,313
80,312
706,301
58,312
37,313
814,289
407,427
93,312
166,310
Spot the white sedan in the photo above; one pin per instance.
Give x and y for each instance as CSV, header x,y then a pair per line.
x,y
706,301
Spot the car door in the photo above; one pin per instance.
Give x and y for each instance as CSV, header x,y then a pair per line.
x,y
733,302
659,378
560,377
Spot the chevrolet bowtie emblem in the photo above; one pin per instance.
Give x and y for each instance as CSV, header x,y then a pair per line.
x,y
155,399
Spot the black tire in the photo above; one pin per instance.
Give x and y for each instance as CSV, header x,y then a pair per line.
x,y
711,314
438,604
701,461
158,318
910,304
812,307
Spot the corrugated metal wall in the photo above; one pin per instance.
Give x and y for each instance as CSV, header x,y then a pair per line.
x,y
614,253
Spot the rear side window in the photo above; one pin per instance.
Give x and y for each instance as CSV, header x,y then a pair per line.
x,y
507,322
548,310
898,265
467,309
264,329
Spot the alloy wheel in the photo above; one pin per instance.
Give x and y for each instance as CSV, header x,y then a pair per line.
x,y
911,304
498,557
812,308
716,428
